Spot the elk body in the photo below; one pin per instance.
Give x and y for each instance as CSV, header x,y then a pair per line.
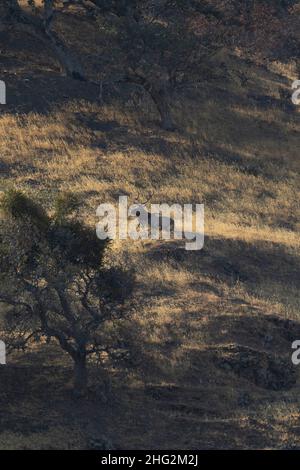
x,y
154,220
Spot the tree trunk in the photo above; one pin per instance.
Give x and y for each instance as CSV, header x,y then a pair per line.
x,y
160,98
80,376
67,60
69,63
43,31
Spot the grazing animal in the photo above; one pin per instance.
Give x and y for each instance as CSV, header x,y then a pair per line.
x,y
160,220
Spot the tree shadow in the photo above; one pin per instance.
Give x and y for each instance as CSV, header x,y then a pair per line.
x,y
256,264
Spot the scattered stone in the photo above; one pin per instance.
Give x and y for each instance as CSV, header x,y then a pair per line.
x,y
101,443
261,368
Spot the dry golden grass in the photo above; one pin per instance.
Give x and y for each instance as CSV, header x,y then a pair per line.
x,y
240,158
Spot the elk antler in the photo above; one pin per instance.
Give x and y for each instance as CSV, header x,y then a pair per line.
x,y
147,200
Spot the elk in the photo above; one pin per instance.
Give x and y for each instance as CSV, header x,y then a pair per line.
x,y
152,220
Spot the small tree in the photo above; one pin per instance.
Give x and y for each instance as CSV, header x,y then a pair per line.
x,y
153,45
55,283
166,45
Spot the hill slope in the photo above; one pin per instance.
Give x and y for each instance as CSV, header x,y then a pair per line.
x,y
216,325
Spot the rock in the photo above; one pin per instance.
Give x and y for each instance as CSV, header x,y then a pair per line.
x,y
263,369
100,443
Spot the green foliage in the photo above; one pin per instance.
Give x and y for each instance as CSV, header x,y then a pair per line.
x,y
17,205
77,244
65,205
67,239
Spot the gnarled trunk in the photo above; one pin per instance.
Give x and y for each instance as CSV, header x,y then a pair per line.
x,y
68,61
80,376
42,29
160,98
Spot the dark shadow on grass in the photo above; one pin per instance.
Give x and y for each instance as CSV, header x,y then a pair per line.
x,y
256,264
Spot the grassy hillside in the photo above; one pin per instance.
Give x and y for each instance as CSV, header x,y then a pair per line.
x,y
215,327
